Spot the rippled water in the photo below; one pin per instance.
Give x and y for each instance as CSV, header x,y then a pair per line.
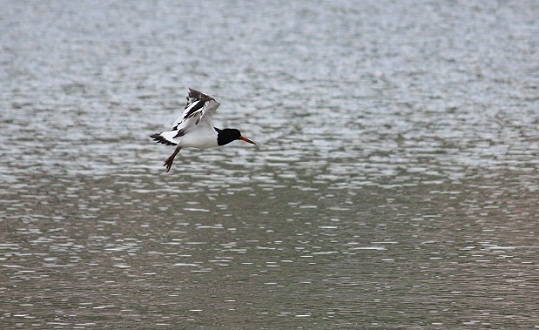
x,y
394,184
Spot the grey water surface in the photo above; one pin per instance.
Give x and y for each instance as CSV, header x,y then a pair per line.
x,y
394,185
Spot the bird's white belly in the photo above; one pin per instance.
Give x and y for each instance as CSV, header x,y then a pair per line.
x,y
202,139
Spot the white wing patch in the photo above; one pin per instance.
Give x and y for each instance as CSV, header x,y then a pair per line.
x,y
199,107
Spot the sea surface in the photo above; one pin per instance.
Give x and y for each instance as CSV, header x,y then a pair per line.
x,y
394,185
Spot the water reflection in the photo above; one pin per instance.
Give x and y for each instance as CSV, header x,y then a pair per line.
x,y
353,252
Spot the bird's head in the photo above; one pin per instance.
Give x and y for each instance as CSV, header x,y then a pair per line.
x,y
227,135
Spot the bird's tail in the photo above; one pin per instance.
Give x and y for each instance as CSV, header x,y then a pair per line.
x,y
165,138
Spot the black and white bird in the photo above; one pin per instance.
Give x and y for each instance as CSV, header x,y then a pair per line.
x,y
193,128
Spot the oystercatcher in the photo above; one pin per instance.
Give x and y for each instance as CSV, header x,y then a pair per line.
x,y
193,128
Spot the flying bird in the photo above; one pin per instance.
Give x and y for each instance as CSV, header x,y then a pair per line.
x,y
193,128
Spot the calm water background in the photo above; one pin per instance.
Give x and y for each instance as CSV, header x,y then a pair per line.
x,y
395,182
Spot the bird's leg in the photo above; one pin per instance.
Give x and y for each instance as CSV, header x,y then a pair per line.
x,y
168,162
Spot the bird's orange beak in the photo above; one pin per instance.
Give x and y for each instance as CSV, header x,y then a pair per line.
x,y
247,140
